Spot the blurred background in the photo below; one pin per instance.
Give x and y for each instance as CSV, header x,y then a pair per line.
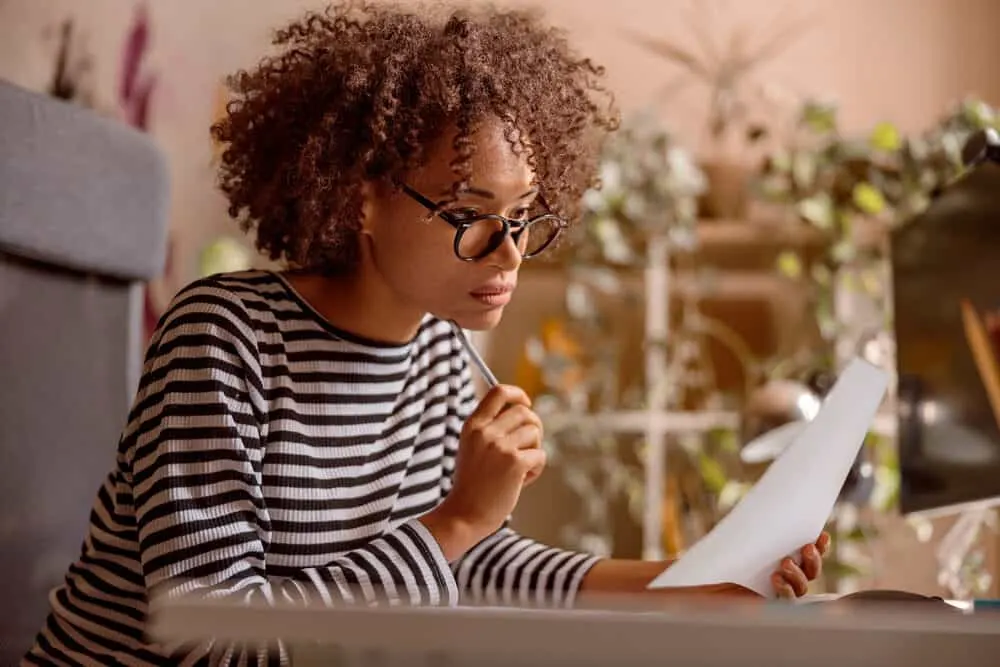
x,y
775,160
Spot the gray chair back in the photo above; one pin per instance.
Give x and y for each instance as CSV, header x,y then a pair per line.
x,y
83,219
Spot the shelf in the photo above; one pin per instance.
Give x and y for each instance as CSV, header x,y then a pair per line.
x,y
707,283
641,421
699,421
732,242
720,234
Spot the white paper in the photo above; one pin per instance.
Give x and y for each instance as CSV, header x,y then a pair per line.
x,y
791,503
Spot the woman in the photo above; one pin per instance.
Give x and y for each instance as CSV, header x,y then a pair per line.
x,y
313,436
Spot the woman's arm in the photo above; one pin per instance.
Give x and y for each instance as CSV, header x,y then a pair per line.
x,y
194,455
507,568
611,576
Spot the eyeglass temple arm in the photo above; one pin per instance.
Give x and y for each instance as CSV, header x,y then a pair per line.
x,y
419,198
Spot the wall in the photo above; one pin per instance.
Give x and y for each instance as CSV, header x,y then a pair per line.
x,y
900,60
892,59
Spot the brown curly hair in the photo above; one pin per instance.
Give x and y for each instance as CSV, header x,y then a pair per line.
x,y
359,92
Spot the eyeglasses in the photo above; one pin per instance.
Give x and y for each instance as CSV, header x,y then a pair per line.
x,y
478,235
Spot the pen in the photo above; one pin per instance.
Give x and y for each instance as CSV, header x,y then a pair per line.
x,y
487,374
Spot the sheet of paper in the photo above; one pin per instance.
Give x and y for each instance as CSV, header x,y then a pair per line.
x,y
791,503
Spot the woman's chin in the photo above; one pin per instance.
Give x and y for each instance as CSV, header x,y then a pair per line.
x,y
479,321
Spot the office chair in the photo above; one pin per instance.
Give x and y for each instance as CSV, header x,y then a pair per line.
x,y
83,220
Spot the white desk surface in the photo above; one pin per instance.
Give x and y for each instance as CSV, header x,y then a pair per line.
x,y
770,635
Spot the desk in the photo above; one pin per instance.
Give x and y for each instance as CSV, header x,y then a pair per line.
x,y
775,635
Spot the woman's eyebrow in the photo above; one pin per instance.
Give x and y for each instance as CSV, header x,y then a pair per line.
x,y
486,194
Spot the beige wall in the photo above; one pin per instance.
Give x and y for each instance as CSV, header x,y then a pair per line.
x,y
900,60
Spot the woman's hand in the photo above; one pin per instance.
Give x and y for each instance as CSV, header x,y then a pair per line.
x,y
792,580
610,577
499,452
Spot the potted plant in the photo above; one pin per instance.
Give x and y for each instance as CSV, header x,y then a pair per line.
x,y
854,189
575,366
728,72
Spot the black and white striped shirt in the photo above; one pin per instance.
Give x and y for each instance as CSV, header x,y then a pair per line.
x,y
271,457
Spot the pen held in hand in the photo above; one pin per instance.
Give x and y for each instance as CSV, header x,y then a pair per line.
x,y
487,374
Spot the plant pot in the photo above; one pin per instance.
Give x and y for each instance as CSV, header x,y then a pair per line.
x,y
727,196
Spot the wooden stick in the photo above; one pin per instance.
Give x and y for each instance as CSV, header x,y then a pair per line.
x,y
983,354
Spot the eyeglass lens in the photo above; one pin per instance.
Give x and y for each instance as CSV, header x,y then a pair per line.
x,y
484,236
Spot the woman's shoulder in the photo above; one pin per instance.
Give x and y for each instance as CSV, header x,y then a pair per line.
x,y
225,299
242,291
236,287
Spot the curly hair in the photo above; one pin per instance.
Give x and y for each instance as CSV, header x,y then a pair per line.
x,y
358,93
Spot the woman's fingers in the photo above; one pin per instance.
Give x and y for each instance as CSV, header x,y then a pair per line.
x,y
823,543
812,562
495,401
781,587
515,417
790,579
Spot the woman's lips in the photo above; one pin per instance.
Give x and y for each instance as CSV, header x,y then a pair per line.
x,y
493,296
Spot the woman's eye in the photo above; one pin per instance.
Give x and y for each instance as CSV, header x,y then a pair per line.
x,y
519,214
463,213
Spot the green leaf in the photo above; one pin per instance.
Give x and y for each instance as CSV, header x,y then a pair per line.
x,y
781,160
916,203
821,274
871,281
727,440
789,264
774,188
819,210
978,113
836,569
826,320
712,473
844,252
857,534
846,280
868,198
885,137
820,118
917,149
732,493
804,169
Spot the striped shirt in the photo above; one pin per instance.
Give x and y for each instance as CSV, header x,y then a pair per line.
x,y
270,457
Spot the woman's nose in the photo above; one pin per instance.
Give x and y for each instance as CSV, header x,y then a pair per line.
x,y
507,257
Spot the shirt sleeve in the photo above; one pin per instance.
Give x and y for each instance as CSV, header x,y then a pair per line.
x,y
507,568
193,451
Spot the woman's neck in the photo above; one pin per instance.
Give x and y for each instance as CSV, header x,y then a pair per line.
x,y
364,308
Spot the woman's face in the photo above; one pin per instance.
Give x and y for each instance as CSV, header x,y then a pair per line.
x,y
413,251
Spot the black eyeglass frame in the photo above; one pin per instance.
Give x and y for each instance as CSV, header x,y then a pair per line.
x,y
512,228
